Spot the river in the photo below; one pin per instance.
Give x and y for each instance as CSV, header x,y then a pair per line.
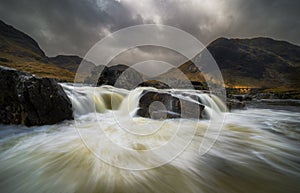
x,y
256,150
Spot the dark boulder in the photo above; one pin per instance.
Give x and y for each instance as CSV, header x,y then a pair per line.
x,y
29,100
92,79
235,104
155,83
240,97
120,76
163,105
199,85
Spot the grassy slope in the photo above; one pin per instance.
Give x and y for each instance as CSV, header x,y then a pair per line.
x,y
36,67
19,51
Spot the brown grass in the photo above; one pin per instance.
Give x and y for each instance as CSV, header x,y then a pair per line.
x,y
39,69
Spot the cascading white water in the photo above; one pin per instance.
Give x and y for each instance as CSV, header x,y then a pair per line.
x,y
100,99
94,99
245,158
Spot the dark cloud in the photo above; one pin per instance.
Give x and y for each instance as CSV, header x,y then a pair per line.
x,y
210,19
66,26
272,18
73,26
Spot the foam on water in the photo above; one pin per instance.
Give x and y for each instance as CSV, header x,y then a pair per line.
x,y
246,157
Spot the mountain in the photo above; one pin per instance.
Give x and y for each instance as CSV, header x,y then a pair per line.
x,y
18,43
190,71
258,62
20,51
183,76
70,63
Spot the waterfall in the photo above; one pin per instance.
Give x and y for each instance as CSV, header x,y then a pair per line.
x,y
87,99
94,99
108,149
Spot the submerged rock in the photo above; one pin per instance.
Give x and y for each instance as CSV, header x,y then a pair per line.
x,y
29,100
235,104
162,105
241,97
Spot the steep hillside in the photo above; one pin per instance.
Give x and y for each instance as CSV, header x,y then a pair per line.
x,y
258,62
190,71
20,51
18,43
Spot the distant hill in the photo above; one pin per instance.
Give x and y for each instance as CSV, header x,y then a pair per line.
x,y
190,71
257,62
20,51
70,63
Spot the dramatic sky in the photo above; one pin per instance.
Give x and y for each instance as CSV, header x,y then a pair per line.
x,y
73,26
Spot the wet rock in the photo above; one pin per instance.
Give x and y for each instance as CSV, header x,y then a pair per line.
x,y
156,84
199,85
235,104
280,95
95,75
162,105
120,76
241,97
29,100
5,60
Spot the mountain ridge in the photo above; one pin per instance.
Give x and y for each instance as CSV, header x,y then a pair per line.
x,y
251,62
18,50
257,62
270,61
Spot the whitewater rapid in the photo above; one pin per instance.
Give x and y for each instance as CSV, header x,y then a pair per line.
x,y
257,150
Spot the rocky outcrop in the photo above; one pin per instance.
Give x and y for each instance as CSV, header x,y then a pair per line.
x,y
29,100
240,97
237,101
279,95
120,76
94,76
155,84
235,104
163,105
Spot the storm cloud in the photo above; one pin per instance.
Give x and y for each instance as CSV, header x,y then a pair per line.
x,y
73,26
